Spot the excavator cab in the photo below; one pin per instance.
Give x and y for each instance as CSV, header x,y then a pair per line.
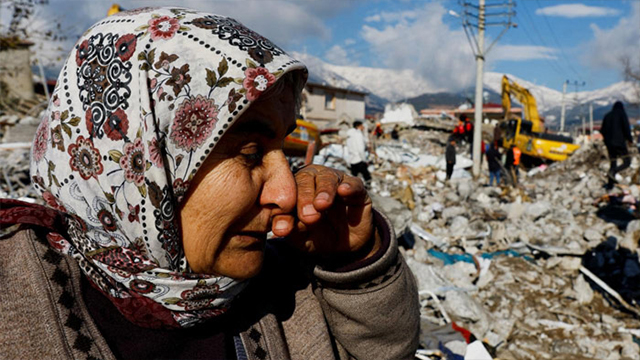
x,y
528,133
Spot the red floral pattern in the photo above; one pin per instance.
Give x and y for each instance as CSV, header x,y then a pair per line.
x,y
40,141
145,312
150,119
107,220
199,298
82,52
155,153
125,46
257,81
193,123
51,200
123,258
180,188
133,163
163,27
116,126
85,158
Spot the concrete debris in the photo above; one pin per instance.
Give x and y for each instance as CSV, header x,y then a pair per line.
x,y
519,285
514,276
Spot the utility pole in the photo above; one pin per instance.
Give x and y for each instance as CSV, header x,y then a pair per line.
x,y
477,128
475,16
590,121
562,113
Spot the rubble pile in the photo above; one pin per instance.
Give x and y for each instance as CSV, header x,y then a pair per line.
x,y
510,266
506,262
14,172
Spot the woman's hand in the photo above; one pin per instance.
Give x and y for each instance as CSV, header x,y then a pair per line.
x,y
334,215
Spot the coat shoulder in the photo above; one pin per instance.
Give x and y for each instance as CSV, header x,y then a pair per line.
x,y
40,295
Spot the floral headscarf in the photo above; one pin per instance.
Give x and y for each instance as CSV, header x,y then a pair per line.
x,y
141,101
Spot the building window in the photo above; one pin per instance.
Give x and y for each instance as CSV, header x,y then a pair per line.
x,y
330,100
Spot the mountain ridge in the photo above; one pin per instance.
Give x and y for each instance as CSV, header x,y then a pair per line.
x,y
389,85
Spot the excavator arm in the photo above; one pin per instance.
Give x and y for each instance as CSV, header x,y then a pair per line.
x,y
525,98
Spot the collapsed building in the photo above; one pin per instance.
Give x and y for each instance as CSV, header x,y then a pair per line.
x,y
519,268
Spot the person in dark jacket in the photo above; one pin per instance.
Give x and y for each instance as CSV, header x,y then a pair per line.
x,y
493,159
450,156
616,133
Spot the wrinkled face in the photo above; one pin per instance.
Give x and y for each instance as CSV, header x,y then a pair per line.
x,y
244,182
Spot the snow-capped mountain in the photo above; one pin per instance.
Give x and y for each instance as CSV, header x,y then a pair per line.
x,y
390,85
387,85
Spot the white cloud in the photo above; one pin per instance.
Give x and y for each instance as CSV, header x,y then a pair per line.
x,y
426,45
373,18
577,11
609,46
390,17
522,53
337,55
286,22
349,41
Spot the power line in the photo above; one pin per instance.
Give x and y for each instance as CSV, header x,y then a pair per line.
x,y
541,38
553,65
555,38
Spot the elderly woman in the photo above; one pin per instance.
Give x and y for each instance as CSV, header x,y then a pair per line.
x,y
160,159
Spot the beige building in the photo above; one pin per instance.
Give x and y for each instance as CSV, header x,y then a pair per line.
x,y
15,70
327,106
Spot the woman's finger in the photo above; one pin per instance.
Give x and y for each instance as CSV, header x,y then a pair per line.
x,y
306,183
353,192
327,181
282,225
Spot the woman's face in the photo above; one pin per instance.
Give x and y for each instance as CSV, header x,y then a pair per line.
x,y
244,182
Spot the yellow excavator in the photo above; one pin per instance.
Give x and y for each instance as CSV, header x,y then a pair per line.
x,y
528,133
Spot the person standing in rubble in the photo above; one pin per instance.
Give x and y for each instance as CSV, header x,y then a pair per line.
x,y
356,151
395,133
493,159
616,133
512,163
450,156
468,132
377,131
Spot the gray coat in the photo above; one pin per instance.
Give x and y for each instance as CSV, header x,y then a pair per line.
x,y
368,313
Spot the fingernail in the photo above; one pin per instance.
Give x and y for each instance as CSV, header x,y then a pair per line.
x,y
281,225
322,196
346,186
308,210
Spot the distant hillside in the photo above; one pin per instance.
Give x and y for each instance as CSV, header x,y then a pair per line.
x,y
427,101
387,85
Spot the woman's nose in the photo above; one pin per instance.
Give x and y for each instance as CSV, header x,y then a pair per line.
x,y
279,189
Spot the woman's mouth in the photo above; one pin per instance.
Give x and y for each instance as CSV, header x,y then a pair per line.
x,y
251,240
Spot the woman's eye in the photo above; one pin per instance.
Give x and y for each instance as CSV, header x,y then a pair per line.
x,y
253,155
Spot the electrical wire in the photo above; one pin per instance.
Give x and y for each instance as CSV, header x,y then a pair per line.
x,y
556,65
555,38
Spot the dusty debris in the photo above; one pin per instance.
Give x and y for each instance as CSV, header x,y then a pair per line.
x,y
503,264
519,285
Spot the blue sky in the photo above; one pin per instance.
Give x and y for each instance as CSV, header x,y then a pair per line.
x,y
554,41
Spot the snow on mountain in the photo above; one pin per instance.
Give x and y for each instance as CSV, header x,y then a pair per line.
x,y
549,100
387,85
390,85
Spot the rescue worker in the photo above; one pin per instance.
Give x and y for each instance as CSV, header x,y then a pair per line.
x,y
617,134
468,132
515,170
493,160
450,156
